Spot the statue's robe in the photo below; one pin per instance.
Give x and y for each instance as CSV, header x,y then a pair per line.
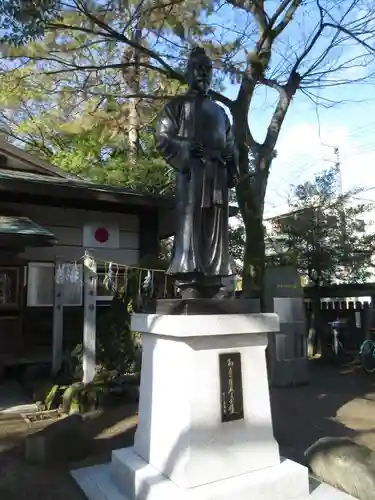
x,y
201,237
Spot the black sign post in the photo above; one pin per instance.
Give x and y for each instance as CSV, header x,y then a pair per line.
x,y
231,386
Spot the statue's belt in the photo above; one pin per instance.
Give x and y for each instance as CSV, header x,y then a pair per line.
x,y
212,192
213,154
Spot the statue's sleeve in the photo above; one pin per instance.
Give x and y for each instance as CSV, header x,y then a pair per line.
x,y
232,166
173,147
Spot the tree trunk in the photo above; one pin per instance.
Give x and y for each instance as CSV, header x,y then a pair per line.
x,y
250,195
133,126
251,190
254,256
132,78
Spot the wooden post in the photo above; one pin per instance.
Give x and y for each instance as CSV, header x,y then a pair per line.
x,y
58,314
89,319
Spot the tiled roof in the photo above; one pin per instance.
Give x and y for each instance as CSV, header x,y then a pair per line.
x,y
80,185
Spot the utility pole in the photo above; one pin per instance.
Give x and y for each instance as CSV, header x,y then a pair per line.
x,y
339,193
337,165
336,152
339,188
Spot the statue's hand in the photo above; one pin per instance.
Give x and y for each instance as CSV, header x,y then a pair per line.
x,y
196,150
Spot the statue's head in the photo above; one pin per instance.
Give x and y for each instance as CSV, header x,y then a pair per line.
x,y
199,70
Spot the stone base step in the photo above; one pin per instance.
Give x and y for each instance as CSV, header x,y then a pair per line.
x,y
140,480
97,483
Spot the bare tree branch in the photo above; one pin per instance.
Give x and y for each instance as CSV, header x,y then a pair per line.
x,y
255,7
319,31
276,121
254,73
286,93
110,33
294,4
312,42
351,34
114,35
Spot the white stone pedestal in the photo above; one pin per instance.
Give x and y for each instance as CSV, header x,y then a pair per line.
x,y
140,480
181,446
183,450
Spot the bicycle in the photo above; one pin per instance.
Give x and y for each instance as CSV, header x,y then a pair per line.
x,y
367,354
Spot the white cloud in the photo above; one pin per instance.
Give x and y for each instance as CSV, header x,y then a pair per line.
x,y
303,151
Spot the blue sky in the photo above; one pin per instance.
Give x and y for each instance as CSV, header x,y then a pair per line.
x,y
308,136
310,131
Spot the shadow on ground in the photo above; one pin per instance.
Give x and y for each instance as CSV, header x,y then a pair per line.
x,y
107,430
339,401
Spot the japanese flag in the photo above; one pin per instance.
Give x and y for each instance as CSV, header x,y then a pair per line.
x,y
97,235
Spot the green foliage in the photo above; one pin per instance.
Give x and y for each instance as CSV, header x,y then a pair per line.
x,y
52,398
320,234
80,119
70,400
237,242
118,347
24,20
84,155
117,350
116,344
77,397
81,398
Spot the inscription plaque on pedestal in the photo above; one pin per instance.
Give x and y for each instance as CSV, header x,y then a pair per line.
x,y
231,386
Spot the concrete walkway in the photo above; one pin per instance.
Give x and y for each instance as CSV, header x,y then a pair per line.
x,y
13,399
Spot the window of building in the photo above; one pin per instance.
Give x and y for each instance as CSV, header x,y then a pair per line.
x,y
9,287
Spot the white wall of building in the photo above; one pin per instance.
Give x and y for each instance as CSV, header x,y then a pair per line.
x,y
67,224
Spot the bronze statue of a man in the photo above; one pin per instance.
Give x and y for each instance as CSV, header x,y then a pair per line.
x,y
194,135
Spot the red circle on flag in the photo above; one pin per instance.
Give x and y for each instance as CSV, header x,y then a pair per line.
x,y
101,235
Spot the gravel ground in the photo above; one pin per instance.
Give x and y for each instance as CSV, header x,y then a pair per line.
x,y
339,401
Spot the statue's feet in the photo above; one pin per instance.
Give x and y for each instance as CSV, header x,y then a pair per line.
x,y
203,293
190,293
202,288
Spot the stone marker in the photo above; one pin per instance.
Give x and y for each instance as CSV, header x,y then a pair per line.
x,y
344,464
62,441
287,348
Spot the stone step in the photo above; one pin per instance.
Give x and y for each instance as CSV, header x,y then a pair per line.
x,y
285,481
97,483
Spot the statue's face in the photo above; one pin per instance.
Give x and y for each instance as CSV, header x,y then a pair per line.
x,y
200,74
